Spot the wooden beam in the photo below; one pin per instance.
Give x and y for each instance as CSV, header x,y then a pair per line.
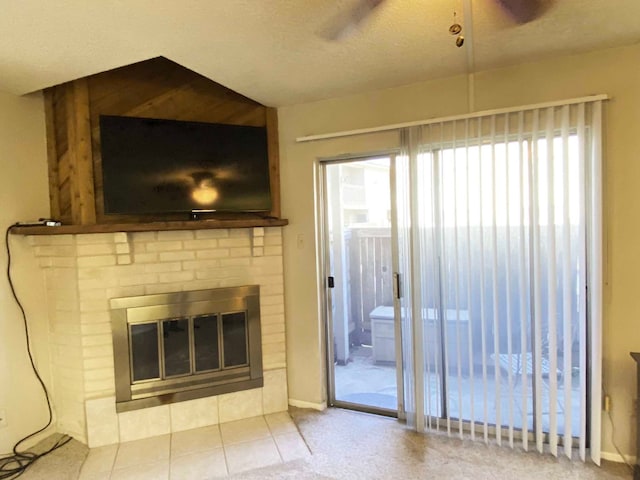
x,y
273,145
52,154
83,210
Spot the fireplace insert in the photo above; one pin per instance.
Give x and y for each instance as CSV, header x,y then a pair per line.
x,y
185,345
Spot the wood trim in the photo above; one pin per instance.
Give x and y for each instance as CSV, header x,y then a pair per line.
x,y
150,227
273,146
52,154
83,211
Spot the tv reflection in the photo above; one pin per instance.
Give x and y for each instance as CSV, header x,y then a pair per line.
x,y
204,192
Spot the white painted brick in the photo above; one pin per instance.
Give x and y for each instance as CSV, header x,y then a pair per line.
x,y
235,242
268,268
258,232
240,233
145,257
90,273
274,360
102,386
175,235
272,289
95,249
235,262
175,277
258,251
93,374
129,291
201,244
96,294
63,327
163,288
122,248
271,300
143,236
273,250
269,279
273,338
271,329
91,318
94,305
214,233
164,246
99,362
88,238
97,351
273,240
271,309
233,281
177,256
208,254
277,347
64,305
137,279
240,252
275,319
64,262
269,231
203,284
163,267
55,251
120,237
124,259
97,261
258,241
200,264
45,262
34,240
96,328
102,339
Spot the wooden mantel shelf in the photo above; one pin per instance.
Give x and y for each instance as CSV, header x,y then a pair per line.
x,y
150,226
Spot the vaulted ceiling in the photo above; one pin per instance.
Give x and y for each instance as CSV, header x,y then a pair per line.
x,y
272,50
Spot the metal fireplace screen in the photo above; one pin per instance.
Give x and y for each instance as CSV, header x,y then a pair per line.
x,y
185,345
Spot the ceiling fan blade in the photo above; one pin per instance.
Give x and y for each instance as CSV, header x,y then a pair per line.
x,y
523,11
345,24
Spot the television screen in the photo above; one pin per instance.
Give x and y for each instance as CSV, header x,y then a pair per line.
x,y
167,166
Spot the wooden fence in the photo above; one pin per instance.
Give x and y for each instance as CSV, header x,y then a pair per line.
x,y
370,276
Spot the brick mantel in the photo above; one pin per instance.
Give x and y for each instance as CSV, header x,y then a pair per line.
x,y
84,271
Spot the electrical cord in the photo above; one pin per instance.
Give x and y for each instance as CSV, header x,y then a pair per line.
x,y
613,435
14,465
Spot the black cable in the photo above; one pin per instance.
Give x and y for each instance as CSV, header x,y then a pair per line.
x,y
12,466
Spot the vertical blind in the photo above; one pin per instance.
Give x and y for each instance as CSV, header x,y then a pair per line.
x,y
506,276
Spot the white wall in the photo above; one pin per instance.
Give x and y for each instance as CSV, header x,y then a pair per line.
x,y
615,72
23,195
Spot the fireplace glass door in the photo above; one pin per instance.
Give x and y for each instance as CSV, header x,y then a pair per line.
x,y
186,345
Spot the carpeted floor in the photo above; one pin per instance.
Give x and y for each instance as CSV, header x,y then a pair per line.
x,y
352,445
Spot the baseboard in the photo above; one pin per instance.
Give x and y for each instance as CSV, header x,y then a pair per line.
x,y
616,457
303,404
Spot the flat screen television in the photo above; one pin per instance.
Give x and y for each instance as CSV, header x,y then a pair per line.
x,y
152,166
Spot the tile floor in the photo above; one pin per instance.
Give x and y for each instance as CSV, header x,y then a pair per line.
x,y
203,453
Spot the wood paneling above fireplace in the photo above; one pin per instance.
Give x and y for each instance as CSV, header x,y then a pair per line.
x,y
156,88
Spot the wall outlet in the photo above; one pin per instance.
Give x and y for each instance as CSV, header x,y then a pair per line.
x,y
3,418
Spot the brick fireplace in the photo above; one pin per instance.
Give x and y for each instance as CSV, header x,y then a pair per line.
x,y
84,272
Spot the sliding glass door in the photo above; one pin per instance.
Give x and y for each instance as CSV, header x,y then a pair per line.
x,y
360,284
485,263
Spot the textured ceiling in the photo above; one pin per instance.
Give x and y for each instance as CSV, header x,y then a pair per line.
x,y
270,50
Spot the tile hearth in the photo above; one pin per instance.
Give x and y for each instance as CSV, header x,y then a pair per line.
x,y
203,453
